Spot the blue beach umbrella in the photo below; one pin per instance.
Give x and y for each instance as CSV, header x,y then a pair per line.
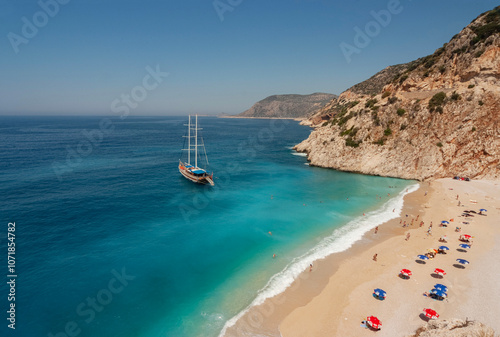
x,y
483,210
463,245
462,261
444,248
441,287
380,293
439,293
446,222
423,257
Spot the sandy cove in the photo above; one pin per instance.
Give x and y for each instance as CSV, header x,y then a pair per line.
x,y
336,296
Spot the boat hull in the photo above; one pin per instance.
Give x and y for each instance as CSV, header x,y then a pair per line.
x,y
204,179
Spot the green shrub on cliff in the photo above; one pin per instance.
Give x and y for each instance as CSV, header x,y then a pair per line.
x,y
437,101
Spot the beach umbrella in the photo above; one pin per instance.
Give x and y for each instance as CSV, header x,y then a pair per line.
x,y
444,248
441,287
374,322
431,250
462,261
483,210
463,245
466,236
380,293
432,314
423,257
405,272
445,222
439,272
439,293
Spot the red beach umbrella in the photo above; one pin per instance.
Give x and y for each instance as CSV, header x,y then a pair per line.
x,y
432,314
466,236
374,322
405,272
439,272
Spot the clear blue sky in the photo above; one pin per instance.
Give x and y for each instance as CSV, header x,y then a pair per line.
x,y
83,58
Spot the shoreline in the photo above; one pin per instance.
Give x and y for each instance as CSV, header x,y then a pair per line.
x,y
336,295
260,317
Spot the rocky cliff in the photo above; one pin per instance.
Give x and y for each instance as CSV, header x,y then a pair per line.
x,y
288,106
438,116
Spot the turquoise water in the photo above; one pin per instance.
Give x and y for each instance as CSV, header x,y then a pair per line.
x,y
112,241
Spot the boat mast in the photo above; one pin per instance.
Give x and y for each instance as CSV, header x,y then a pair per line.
x,y
196,144
189,139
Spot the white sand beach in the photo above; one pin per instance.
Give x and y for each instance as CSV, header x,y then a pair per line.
x,y
336,296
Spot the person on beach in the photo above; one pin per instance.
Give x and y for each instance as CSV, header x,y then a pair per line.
x,y
407,237
421,223
376,230
310,267
429,231
375,257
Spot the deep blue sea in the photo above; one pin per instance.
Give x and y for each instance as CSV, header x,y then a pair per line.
x,y
112,241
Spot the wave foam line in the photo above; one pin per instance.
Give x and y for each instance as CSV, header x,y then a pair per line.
x,y
340,240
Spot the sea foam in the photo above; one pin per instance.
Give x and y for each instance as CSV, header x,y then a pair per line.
x,y
340,240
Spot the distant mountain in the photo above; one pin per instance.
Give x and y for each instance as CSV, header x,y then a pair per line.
x,y
288,106
438,116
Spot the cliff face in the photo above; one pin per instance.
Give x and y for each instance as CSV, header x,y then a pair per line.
x,y
438,116
288,106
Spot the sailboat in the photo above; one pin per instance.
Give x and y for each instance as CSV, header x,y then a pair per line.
x,y
193,172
